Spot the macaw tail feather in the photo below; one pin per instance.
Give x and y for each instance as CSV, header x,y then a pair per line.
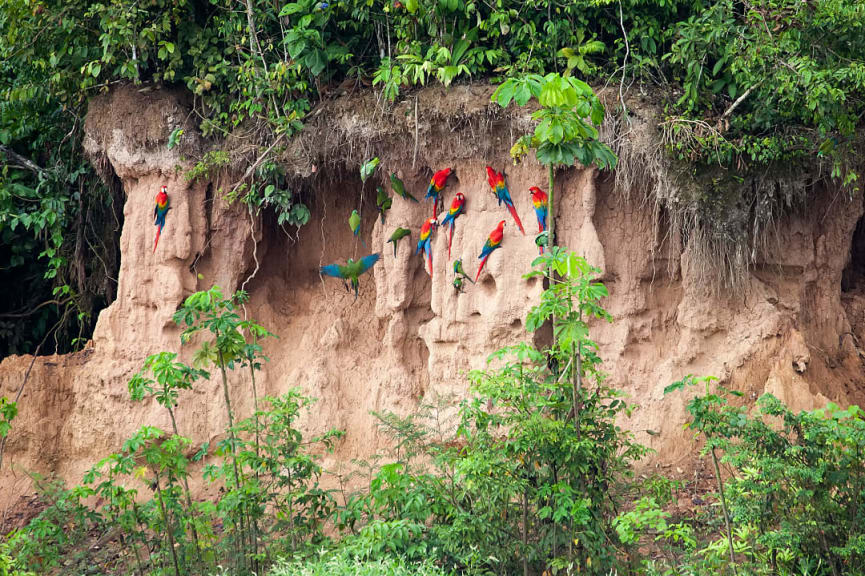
x,y
394,249
382,218
429,264
469,278
512,209
481,267
364,243
156,242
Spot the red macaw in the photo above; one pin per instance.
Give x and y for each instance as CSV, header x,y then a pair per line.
x,y
159,212
425,242
539,201
436,185
500,189
493,242
457,208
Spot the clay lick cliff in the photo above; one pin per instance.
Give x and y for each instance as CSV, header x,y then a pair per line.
x,y
792,325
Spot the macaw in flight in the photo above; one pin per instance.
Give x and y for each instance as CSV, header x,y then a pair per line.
x,y
500,189
351,271
540,202
159,211
436,185
425,241
493,242
457,207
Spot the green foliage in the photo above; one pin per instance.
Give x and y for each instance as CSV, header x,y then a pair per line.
x,y
531,474
795,493
798,68
8,411
267,474
341,564
563,134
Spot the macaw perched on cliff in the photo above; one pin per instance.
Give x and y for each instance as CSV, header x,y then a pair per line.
x,y
493,242
436,185
497,183
457,207
159,211
425,241
351,271
459,271
540,202
399,188
398,235
354,224
382,201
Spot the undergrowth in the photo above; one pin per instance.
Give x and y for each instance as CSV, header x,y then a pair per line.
x,y
531,474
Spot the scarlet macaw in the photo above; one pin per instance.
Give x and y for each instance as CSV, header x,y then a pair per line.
x,y
493,242
425,242
351,271
159,212
457,207
436,185
500,189
539,201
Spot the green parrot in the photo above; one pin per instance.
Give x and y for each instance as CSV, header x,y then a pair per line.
x,y
459,272
382,201
399,187
354,224
351,271
398,235
458,284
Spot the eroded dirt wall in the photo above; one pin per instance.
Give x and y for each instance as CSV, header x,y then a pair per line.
x,y
410,338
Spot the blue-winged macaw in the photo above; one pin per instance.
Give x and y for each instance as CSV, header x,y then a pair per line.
x,y
500,189
493,242
425,241
159,212
540,202
457,207
351,271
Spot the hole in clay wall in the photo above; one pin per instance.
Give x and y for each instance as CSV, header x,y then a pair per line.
x,y
853,278
488,284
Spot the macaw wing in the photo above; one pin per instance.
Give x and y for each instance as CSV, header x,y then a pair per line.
x,y
334,271
365,264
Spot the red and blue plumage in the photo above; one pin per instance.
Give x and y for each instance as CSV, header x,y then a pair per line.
x,y
436,185
457,208
500,189
540,202
159,212
425,241
493,242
